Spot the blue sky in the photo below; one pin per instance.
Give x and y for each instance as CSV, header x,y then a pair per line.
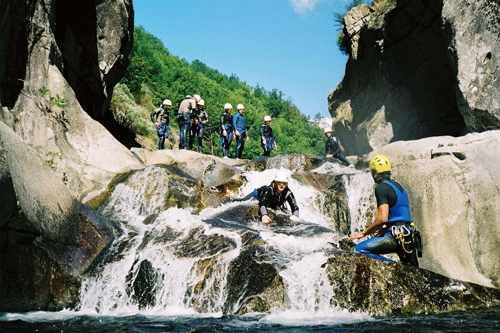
x,y
289,45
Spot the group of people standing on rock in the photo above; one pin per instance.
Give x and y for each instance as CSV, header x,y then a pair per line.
x,y
235,127
192,119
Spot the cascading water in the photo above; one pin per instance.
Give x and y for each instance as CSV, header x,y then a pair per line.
x,y
185,277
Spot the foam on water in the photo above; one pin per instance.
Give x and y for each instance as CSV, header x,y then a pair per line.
x,y
307,286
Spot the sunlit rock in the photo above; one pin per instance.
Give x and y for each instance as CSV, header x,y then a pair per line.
x,y
293,162
379,288
71,233
453,188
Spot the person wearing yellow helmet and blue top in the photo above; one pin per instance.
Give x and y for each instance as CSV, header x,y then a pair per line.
x,y
393,229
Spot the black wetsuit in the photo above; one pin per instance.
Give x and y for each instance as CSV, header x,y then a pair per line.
x,y
334,147
268,198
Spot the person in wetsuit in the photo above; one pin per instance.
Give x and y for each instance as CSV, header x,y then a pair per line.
x,y
161,118
198,123
240,130
333,147
267,140
393,227
275,196
226,129
184,114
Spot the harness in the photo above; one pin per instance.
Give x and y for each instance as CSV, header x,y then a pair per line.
x,y
404,236
401,227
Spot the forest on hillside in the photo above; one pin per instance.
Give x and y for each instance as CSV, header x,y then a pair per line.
x,y
154,75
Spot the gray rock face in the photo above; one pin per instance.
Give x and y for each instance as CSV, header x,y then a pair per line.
x,y
89,43
71,233
57,60
453,189
417,69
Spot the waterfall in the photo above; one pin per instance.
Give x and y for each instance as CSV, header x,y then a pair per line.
x,y
157,266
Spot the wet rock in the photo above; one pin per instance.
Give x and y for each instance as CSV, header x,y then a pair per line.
x,y
247,278
141,285
379,288
30,280
334,203
293,162
198,244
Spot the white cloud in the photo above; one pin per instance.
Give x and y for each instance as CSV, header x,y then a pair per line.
x,y
304,6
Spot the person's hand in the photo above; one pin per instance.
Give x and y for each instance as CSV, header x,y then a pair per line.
x,y
294,218
265,219
237,133
263,141
157,124
276,147
329,156
356,236
246,138
224,133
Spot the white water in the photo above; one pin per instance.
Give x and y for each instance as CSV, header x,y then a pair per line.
x,y
307,286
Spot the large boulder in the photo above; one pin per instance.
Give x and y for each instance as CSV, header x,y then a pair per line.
x,y
417,69
454,194
71,233
68,59
211,170
378,288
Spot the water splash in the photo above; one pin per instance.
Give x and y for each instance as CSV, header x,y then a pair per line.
x,y
187,284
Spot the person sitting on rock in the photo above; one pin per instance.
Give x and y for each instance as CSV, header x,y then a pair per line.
x,y
274,196
333,147
393,228
161,118
267,140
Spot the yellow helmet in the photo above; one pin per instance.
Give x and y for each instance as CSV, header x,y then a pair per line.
x,y
380,163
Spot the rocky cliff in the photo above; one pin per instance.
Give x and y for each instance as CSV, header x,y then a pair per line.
x,y
417,69
59,62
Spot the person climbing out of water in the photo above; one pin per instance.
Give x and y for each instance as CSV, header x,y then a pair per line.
x,y
267,140
240,130
333,147
226,130
393,227
275,196
198,123
161,118
184,114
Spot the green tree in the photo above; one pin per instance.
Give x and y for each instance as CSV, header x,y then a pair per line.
x,y
154,75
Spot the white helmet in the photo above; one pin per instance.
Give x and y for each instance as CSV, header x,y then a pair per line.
x,y
267,118
227,106
202,102
281,176
197,98
240,106
328,130
167,102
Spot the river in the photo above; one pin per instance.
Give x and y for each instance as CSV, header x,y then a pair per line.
x,y
108,303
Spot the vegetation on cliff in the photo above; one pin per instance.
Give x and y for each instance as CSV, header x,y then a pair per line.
x,y
154,75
